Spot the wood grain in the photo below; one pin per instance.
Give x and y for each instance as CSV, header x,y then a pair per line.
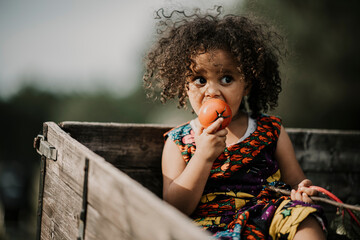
x,y
63,185
118,206
135,211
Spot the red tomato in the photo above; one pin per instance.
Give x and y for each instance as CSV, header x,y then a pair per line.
x,y
213,109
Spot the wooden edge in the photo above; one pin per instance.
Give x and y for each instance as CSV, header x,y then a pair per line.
x,y
65,124
175,223
292,130
86,151
323,131
40,197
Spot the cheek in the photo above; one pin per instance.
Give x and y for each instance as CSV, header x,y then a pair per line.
x,y
235,104
195,100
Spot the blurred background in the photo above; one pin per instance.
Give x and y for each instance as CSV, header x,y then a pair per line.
x,y
82,61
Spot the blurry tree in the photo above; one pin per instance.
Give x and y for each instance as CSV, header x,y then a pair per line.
x,y
21,118
321,74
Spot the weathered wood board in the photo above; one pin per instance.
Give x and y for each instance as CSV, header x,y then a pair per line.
x,y
119,207
133,148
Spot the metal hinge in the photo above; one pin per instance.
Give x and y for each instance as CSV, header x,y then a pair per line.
x,y
44,148
83,212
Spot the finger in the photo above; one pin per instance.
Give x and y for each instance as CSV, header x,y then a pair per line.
x,y
298,195
305,183
306,198
309,191
214,126
222,133
292,195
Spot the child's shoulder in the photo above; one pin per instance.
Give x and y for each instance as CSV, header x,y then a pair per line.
x,y
179,132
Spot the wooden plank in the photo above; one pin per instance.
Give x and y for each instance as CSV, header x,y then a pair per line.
x,y
327,150
121,144
117,205
100,227
50,230
63,184
149,178
324,150
344,185
61,205
317,150
134,210
133,148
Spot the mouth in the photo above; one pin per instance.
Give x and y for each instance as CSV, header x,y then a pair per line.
x,y
207,99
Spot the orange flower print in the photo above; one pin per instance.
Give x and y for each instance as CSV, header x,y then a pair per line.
x,y
225,166
254,143
246,160
277,125
270,134
261,129
217,175
235,158
234,168
248,236
256,152
263,139
245,150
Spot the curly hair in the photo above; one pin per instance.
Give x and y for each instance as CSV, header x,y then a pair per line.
x,y
255,47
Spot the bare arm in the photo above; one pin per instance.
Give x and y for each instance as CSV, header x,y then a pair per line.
x,y
184,184
291,172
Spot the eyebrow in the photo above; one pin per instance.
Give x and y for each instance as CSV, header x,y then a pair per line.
x,y
222,69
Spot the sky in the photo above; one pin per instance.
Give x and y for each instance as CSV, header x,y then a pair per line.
x,y
80,45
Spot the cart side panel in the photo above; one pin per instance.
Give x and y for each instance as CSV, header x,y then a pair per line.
x,y
63,185
330,159
320,153
133,148
121,208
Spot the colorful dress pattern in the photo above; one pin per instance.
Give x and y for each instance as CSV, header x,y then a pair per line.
x,y
236,202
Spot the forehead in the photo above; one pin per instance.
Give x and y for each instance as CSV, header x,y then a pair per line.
x,y
214,59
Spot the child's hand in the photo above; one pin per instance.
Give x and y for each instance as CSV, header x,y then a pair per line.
x,y
210,142
303,192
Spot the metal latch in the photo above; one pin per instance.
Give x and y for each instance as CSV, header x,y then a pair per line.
x,y
44,148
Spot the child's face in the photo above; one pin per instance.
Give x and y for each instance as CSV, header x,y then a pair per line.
x,y
215,75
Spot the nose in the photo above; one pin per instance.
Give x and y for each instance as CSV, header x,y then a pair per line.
x,y
212,90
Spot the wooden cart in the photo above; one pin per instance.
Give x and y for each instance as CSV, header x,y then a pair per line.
x,y
103,180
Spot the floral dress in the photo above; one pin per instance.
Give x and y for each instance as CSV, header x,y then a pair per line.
x,y
236,202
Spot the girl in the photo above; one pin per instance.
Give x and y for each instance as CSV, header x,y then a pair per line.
x,y
220,177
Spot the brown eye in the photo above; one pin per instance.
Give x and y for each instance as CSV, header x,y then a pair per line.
x,y
227,80
199,81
